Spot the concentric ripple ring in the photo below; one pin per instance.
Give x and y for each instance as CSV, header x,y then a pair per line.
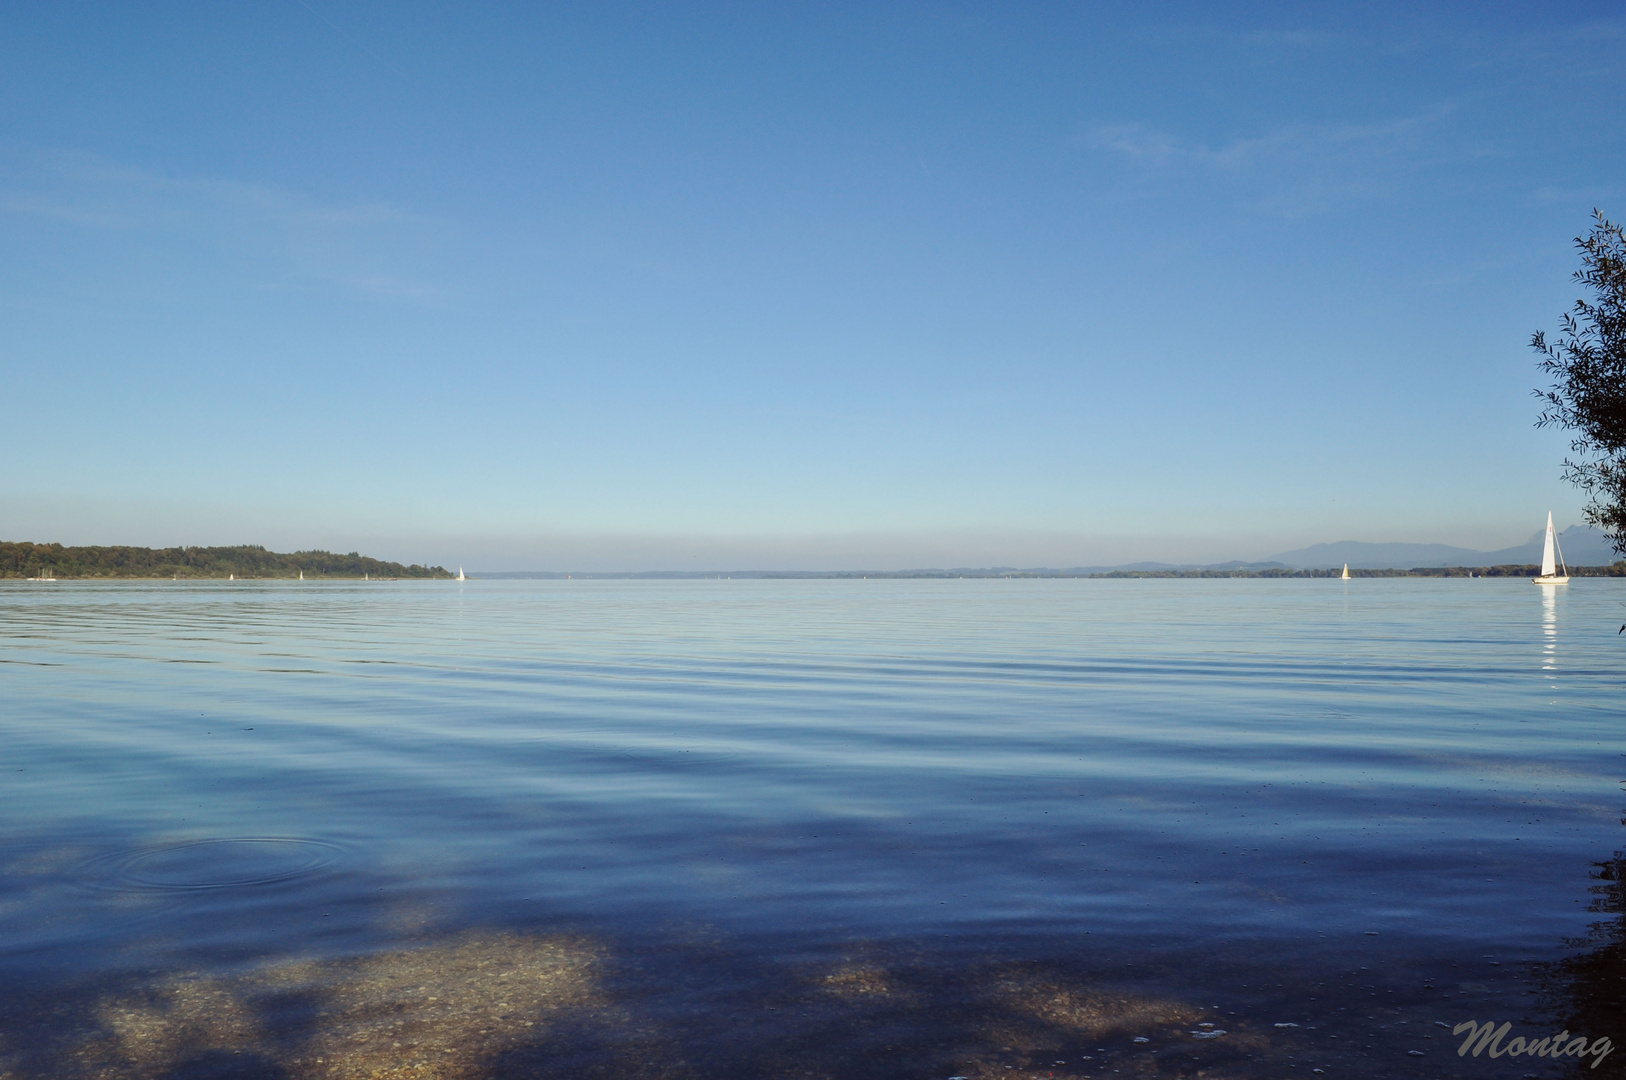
x,y
231,863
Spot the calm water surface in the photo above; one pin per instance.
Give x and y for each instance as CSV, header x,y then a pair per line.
x,y
746,828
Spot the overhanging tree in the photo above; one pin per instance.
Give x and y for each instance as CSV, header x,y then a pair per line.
x,y
1587,361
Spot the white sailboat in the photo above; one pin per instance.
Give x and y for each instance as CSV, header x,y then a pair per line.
x,y
460,576
1346,571
1549,568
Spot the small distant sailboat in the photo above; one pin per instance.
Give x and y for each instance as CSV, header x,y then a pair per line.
x,y
302,575
45,575
1549,568
1346,572
231,577
460,576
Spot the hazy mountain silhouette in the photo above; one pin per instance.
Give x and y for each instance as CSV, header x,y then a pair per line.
x,y
1582,546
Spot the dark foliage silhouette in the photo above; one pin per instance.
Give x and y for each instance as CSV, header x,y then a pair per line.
x,y
1587,360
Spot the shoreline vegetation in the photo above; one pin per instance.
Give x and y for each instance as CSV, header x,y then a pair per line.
x,y
244,561
21,560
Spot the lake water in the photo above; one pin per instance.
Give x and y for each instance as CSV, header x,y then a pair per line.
x,y
835,828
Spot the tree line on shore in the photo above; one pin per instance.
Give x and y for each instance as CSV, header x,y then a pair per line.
x,y
20,559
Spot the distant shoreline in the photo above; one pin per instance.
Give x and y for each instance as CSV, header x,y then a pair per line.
x,y
1522,570
1529,570
245,562
249,562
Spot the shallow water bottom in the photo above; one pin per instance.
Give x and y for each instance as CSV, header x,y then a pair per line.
x,y
494,1003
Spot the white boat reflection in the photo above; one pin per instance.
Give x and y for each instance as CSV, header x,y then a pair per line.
x,y
1549,629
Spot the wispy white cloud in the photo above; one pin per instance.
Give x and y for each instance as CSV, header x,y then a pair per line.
x,y
1297,142
1597,194
1292,168
29,204
1294,39
281,236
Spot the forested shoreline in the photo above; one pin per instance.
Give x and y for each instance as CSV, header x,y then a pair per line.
x,y
21,559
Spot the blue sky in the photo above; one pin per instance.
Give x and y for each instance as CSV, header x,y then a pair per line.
x,y
613,286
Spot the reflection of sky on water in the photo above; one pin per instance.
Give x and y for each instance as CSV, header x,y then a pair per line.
x,y
872,790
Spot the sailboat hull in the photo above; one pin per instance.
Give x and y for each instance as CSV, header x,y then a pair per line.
x,y
1555,579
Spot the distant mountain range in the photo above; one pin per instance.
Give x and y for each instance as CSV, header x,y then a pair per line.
x,y
1582,545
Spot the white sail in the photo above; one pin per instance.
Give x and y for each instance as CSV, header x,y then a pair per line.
x,y
1346,571
1549,565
